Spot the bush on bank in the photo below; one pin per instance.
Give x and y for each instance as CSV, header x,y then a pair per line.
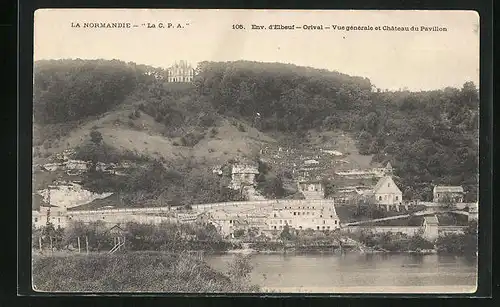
x,y
137,271
458,244
138,237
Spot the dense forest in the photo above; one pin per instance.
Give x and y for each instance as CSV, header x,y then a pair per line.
x,y
430,137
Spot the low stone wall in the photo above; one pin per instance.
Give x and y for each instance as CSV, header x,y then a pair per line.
x,y
123,217
451,230
408,230
119,211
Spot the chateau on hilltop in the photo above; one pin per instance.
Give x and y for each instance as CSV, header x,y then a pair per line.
x,y
180,72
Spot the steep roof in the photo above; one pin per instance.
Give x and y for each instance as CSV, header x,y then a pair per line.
x,y
116,229
449,189
386,185
388,166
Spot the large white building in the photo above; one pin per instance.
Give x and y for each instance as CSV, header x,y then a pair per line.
x,y
305,214
180,72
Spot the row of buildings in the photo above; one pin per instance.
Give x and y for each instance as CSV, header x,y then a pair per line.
x,y
313,212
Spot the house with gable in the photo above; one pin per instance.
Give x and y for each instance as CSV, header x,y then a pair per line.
x,y
443,194
386,193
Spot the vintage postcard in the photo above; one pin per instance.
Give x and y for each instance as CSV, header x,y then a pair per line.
x,y
255,151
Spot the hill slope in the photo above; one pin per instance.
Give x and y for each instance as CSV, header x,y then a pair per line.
x,y
235,109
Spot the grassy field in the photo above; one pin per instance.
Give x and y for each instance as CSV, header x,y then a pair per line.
x,y
132,272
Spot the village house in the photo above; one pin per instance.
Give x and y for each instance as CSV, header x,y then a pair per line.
x,y
386,193
311,189
187,217
50,214
243,175
443,194
351,195
225,223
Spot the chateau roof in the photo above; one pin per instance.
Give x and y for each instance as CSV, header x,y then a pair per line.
x,y
449,189
181,64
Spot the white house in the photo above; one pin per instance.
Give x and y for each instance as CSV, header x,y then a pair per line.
x,y
448,193
225,223
387,193
50,214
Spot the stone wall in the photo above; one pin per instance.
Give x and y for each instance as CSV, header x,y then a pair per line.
x,y
408,230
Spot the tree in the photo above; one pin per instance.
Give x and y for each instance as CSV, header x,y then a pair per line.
x,y
417,243
285,234
96,137
69,90
329,187
238,233
448,202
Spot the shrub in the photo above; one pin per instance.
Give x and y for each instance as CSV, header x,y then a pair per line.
x,y
213,132
191,139
208,120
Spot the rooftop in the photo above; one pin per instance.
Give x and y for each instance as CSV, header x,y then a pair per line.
x,y
381,182
449,189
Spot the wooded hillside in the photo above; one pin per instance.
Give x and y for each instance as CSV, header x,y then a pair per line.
x,y
429,137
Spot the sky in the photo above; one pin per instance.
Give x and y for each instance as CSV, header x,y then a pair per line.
x,y
392,60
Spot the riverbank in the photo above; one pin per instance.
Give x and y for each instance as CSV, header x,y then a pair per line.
x,y
299,252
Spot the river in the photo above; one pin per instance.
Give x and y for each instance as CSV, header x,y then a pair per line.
x,y
358,273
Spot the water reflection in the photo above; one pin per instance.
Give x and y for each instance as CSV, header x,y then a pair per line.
x,y
356,270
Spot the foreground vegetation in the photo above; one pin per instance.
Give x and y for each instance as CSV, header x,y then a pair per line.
x,y
138,271
139,237
458,244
